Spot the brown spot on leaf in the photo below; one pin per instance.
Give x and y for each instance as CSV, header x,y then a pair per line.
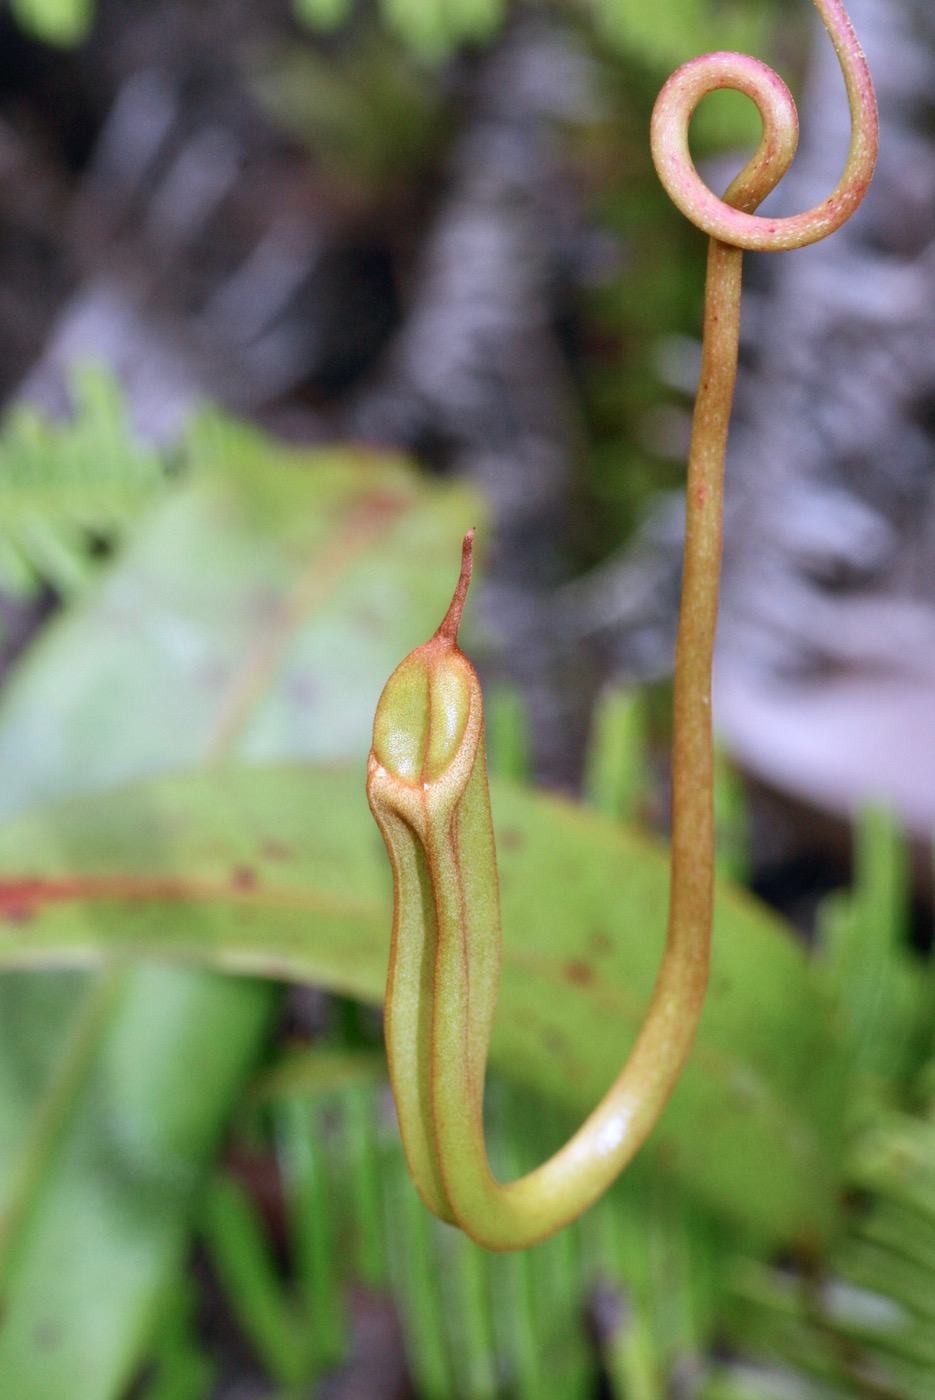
x,y
380,505
12,913
578,973
19,900
243,878
510,839
601,944
276,850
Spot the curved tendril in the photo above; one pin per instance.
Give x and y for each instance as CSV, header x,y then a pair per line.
x,y
732,219
427,777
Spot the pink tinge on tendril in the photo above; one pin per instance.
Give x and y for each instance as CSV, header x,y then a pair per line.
x,y
731,219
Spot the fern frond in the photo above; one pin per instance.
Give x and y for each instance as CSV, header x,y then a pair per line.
x,y
66,488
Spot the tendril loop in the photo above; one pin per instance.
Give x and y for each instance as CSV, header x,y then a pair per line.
x,y
731,219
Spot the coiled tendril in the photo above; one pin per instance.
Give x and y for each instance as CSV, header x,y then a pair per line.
x,y
427,777
731,220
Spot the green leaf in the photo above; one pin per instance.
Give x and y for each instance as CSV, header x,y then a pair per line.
x,y
257,609
109,1221
278,871
243,1260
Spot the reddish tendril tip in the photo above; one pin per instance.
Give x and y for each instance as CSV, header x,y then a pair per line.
x,y
448,631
